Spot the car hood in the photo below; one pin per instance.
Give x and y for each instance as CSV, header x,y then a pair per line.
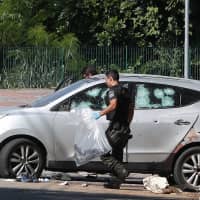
x,y
10,110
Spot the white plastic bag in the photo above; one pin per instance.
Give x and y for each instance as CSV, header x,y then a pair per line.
x,y
90,139
156,184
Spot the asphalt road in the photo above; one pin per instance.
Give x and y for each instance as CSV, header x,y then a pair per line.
x,y
82,188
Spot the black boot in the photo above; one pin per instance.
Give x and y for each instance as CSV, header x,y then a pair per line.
x,y
120,171
113,183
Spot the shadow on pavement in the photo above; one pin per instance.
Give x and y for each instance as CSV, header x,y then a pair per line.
x,y
28,194
91,178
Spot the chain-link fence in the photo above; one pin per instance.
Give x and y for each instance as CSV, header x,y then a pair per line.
x,y
47,66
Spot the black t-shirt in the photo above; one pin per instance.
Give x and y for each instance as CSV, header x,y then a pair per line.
x,y
121,113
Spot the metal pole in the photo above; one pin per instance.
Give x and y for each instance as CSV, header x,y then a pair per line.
x,y
186,43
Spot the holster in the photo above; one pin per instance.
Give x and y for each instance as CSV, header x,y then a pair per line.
x,y
118,134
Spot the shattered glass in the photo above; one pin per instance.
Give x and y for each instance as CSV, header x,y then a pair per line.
x,y
169,91
167,101
142,97
155,96
93,92
91,98
158,93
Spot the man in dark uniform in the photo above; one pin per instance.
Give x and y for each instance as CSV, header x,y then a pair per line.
x,y
119,111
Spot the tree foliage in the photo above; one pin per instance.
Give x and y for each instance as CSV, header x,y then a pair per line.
x,y
93,22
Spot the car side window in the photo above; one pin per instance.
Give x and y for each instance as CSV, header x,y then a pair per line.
x,y
189,97
156,96
93,98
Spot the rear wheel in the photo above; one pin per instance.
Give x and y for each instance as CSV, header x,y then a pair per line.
x,y
187,169
21,156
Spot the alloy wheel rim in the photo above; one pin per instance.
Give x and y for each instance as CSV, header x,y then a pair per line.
x,y
191,170
24,159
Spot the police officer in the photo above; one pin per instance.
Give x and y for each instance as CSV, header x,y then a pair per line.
x,y
119,111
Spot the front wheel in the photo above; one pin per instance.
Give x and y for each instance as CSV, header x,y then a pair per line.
x,y
21,156
187,169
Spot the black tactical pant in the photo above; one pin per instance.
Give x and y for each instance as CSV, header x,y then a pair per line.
x,y
118,135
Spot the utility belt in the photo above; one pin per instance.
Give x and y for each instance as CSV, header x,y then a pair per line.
x,y
118,134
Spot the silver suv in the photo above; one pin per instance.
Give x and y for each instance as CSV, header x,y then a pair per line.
x,y
165,129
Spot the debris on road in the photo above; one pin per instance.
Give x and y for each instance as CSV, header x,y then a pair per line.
x,y
159,185
26,178
43,179
56,175
84,185
64,183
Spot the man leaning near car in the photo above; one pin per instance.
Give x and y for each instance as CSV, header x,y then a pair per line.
x,y
119,112
88,71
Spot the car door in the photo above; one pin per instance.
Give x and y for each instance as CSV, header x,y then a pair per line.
x,y
66,122
159,123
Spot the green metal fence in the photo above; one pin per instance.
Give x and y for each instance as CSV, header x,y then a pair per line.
x,y
46,66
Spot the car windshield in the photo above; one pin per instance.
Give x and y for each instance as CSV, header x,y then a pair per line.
x,y
52,97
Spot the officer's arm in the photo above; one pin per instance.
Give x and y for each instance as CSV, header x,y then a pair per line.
x,y
112,106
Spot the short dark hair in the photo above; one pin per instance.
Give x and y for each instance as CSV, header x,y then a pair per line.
x,y
114,74
89,70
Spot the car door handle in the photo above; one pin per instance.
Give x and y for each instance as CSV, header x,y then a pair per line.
x,y
181,122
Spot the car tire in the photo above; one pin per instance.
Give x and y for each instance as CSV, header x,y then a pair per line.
x,y
187,169
21,156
